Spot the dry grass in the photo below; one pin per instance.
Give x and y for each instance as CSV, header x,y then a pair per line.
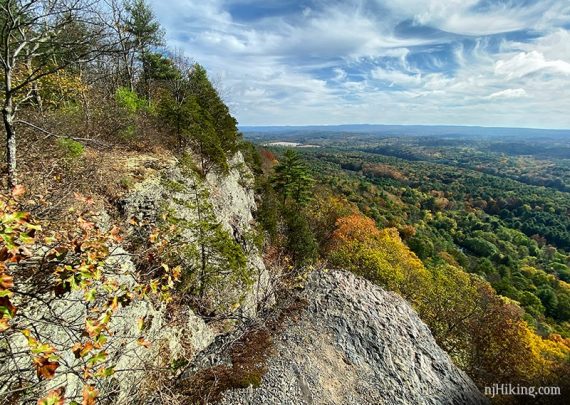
x,y
248,356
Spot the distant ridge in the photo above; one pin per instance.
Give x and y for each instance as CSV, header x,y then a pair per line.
x,y
402,130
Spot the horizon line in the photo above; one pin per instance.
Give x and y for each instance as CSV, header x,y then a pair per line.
x,y
399,125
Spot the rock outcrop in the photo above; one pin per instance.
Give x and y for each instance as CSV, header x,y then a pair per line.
x,y
357,344
174,338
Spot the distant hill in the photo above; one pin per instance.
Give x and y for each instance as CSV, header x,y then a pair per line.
x,y
401,130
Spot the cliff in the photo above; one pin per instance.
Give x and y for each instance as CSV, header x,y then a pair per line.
x,y
354,343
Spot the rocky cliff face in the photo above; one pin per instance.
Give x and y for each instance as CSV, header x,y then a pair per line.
x,y
174,338
357,344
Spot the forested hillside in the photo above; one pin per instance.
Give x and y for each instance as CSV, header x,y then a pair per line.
x,y
455,242
114,145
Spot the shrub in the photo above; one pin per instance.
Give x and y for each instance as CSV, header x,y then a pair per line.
x,y
71,149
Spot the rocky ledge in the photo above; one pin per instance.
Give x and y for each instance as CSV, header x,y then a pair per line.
x,y
355,343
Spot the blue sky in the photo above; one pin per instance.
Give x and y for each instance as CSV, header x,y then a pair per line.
x,y
464,62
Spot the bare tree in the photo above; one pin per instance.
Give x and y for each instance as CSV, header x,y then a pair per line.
x,y
39,38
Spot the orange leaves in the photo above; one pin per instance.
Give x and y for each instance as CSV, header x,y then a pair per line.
x,y
355,228
45,368
89,395
54,397
379,255
82,350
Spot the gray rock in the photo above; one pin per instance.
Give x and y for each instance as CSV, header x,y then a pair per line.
x,y
357,344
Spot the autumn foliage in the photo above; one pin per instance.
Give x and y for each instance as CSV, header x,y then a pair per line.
x,y
485,334
376,254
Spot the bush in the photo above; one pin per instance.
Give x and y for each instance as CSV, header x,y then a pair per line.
x,y
129,100
71,149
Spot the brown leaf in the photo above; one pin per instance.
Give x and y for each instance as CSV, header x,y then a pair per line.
x,y
45,368
81,350
18,191
6,281
144,343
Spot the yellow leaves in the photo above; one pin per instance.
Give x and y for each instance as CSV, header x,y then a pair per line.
x,y
379,255
54,397
140,324
97,358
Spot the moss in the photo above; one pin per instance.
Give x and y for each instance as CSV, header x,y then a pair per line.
x,y
127,183
177,364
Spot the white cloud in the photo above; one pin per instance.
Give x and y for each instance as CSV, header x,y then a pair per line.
x,y
395,76
277,69
508,93
526,63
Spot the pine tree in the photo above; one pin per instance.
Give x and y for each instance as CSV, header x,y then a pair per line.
x,y
292,179
217,136
146,33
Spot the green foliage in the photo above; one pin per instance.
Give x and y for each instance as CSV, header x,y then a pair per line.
x,y
142,25
216,135
129,100
215,267
78,261
301,241
292,179
71,149
465,229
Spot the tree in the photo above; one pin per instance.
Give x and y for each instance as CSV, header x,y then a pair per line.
x,y
301,242
376,254
39,38
145,33
292,179
216,136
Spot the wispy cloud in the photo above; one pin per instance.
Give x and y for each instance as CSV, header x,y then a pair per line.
x,y
485,62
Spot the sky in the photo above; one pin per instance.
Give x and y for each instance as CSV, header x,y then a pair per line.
x,y
456,62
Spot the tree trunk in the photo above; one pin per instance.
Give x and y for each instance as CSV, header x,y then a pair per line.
x,y
8,117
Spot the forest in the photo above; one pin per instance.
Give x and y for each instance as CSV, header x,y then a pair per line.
x,y
472,248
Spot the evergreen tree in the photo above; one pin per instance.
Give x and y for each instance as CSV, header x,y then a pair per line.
x,y
216,136
292,179
301,242
146,33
